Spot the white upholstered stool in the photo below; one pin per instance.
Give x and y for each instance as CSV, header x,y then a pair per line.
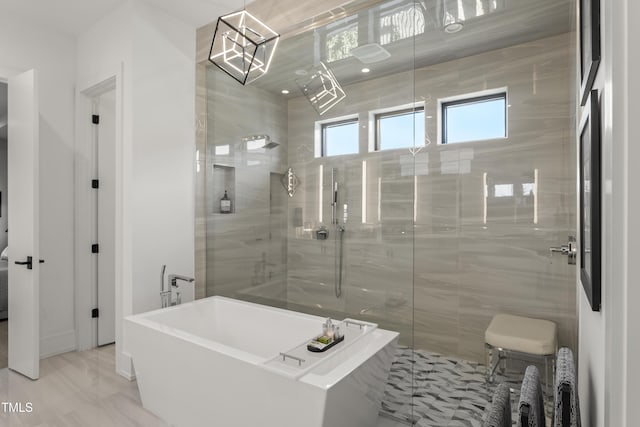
x,y
520,338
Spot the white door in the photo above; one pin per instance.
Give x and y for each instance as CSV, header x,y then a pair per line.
x,y
24,268
106,219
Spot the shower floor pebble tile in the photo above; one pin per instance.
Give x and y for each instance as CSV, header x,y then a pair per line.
x,y
431,390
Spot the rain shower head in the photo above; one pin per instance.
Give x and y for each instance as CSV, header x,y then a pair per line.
x,y
255,142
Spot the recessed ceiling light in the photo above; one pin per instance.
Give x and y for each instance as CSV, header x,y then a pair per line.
x,y
285,92
365,70
453,27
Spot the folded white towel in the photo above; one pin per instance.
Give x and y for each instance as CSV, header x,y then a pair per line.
x,y
5,254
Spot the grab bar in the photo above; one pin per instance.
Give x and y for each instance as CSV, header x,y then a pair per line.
x,y
298,359
353,322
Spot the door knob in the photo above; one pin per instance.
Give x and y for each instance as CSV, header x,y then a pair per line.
x,y
29,262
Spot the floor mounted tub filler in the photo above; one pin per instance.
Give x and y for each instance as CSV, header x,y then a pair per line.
x,y
228,363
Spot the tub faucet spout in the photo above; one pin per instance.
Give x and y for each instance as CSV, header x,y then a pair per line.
x,y
173,279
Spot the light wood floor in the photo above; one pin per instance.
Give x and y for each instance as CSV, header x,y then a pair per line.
x,y
81,389
3,343
75,389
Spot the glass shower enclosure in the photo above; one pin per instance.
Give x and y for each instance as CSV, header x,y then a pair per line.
x,y
367,206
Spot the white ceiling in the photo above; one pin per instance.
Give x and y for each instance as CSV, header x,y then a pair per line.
x,y
72,17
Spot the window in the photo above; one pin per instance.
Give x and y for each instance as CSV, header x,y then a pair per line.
x,y
474,119
528,189
400,129
340,138
503,190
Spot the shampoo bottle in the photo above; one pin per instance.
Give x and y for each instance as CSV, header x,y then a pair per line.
x,y
225,203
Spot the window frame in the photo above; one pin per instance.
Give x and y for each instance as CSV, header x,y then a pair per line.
x,y
374,123
471,98
321,126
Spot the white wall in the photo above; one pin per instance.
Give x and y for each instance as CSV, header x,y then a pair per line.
x,y
152,56
163,175
3,193
25,46
632,155
609,377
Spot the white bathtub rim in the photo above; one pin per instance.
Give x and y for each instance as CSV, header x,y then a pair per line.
x,y
144,320
199,341
324,381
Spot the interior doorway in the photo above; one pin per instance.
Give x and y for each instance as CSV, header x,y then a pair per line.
x,y
103,216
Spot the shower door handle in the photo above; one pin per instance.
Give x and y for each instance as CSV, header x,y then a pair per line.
x,y
570,249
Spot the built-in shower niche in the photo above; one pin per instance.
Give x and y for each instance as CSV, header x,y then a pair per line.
x,y
224,179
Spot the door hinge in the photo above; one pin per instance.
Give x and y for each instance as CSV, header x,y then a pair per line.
x,y
95,183
95,119
95,248
95,313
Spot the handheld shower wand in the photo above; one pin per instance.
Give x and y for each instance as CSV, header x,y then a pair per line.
x,y
334,197
338,260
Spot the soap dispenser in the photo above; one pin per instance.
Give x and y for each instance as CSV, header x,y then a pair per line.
x,y
225,203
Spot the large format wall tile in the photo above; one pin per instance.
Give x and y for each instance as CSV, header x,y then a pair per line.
x,y
436,256
466,256
245,250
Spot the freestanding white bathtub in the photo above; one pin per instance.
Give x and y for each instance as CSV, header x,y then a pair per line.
x,y
218,362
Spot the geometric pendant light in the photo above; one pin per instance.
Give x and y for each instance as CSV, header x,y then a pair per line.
x,y
243,46
321,88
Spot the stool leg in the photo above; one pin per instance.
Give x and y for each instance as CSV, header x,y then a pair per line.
x,y
502,359
488,359
546,375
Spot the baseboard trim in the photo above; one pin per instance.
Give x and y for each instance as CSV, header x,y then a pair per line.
x,y
53,345
124,366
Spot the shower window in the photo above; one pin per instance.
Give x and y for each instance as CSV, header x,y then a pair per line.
x,y
339,137
473,118
401,128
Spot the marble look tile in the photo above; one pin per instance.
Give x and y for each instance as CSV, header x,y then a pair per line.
x,y
439,266
245,250
430,389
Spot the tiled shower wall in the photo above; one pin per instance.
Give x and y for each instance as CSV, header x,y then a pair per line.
x,y
427,259
246,249
447,273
